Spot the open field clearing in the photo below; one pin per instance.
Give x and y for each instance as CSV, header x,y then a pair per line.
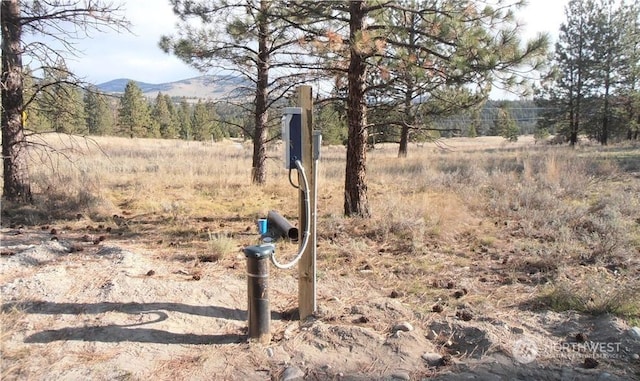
x,y
483,260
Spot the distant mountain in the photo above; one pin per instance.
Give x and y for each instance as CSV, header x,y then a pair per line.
x,y
118,86
212,87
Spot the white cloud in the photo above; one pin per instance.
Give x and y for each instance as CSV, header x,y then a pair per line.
x,y
542,16
135,55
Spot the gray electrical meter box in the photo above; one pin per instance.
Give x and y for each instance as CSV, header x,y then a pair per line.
x,y
292,136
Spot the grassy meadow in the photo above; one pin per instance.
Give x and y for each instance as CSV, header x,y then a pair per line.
x,y
515,225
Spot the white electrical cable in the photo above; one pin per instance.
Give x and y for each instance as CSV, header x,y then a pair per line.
x,y
307,209
314,248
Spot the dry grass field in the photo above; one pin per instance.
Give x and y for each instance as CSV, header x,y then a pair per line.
x,y
477,243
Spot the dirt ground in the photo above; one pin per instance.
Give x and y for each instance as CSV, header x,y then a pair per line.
x,y
73,309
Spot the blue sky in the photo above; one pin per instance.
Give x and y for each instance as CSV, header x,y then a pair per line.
x,y
137,56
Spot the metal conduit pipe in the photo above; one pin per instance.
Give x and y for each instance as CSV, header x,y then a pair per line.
x,y
281,226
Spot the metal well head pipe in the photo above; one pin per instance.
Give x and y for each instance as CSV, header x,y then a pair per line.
x,y
258,311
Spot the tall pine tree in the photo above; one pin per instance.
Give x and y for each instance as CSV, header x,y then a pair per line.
x,y
33,119
163,118
254,39
595,71
99,117
61,101
183,116
504,124
607,49
464,43
134,116
629,106
201,124
63,21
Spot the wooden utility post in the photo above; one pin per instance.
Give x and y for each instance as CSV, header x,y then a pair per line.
x,y
307,264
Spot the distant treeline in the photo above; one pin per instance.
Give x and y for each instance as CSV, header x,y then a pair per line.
x,y
90,112
523,112
508,118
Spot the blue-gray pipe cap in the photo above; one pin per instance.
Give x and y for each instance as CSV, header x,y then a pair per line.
x,y
259,251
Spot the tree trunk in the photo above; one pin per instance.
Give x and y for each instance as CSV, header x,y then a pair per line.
x,y
404,142
261,133
355,186
604,138
573,131
408,97
409,120
579,77
631,129
573,134
604,135
16,184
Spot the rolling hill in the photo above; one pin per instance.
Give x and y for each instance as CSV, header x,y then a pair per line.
x,y
210,87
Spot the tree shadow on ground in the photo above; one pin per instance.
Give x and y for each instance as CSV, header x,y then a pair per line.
x,y
125,332
116,334
52,308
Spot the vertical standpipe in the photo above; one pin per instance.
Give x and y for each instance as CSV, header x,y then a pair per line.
x,y
259,314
